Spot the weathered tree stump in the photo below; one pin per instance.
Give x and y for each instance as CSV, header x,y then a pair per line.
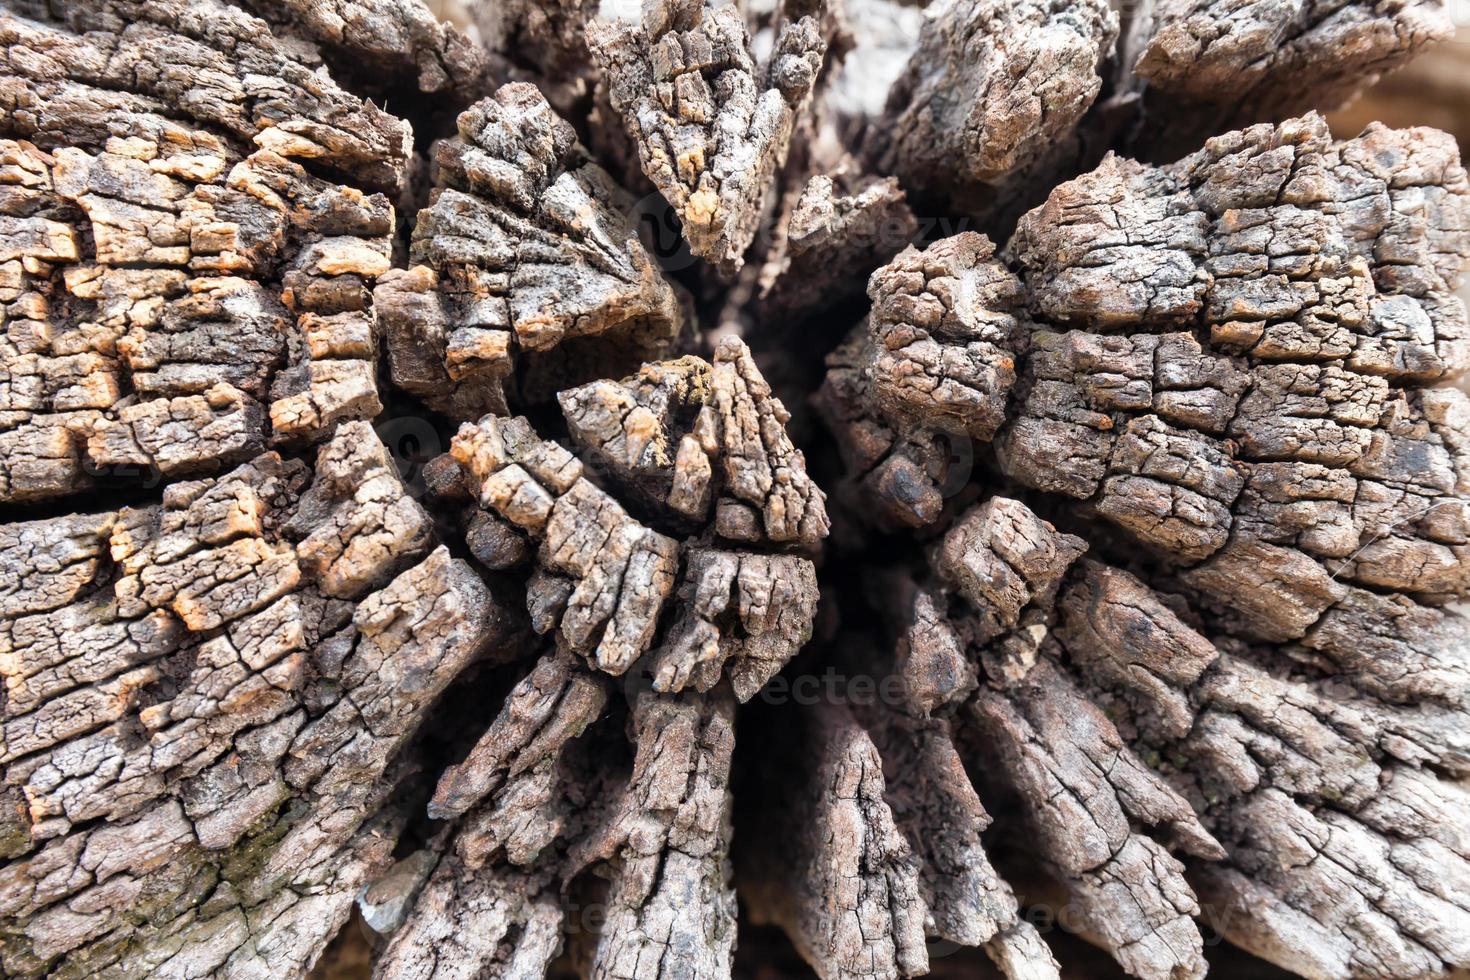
x,y
1148,529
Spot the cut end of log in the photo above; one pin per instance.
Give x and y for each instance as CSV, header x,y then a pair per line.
x,y
416,442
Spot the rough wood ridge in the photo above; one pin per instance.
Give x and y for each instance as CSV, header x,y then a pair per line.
x,y
1132,386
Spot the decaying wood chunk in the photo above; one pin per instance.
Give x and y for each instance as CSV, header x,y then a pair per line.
x,y
832,867
1082,787
175,299
711,125
247,684
204,726
944,327
1079,785
1212,65
101,64
538,812
897,475
993,90
671,909
467,921
602,576
739,613
941,817
701,445
1286,451
690,438
834,234
525,257
934,362
1224,370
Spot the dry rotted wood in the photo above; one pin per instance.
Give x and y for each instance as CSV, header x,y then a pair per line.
x,y
1149,520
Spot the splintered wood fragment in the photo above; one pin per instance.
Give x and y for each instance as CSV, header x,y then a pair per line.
x,y
945,326
330,374
553,703
500,922
1210,65
772,600
767,493
712,126
526,257
653,433
1081,787
836,231
702,446
246,718
930,656
602,576
941,817
992,93
1008,564
1083,791
185,283
666,844
529,788
249,87
831,865
895,474
540,811
1265,748
355,522
928,799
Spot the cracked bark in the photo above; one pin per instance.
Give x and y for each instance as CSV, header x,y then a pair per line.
x,y
1148,521
205,726
525,255
986,110
177,298
1216,368
1208,66
711,125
